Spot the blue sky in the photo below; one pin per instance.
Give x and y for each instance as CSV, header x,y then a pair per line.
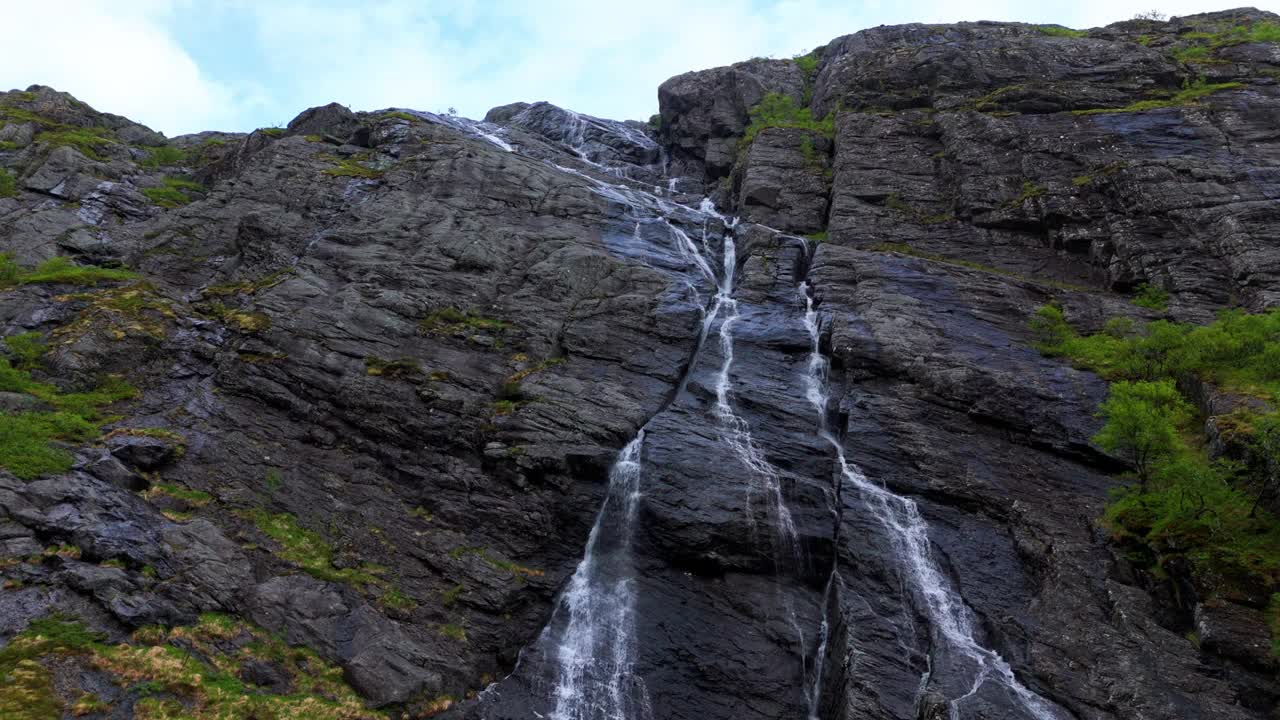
x,y
187,65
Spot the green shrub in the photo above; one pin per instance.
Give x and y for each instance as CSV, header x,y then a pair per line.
x,y
778,110
1143,420
26,349
1151,297
1183,504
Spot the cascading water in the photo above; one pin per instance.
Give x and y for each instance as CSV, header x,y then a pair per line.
x,y
595,652
951,623
737,433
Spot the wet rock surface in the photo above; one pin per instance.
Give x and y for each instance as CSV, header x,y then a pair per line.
x,y
386,362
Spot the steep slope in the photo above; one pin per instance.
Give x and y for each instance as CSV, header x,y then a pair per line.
x,y
362,386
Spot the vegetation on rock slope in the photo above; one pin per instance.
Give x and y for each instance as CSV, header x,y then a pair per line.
x,y
1185,502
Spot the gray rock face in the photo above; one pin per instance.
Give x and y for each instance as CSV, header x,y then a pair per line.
x,y
786,180
404,350
704,113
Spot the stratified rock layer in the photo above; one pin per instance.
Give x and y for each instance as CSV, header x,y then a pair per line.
x,y
417,343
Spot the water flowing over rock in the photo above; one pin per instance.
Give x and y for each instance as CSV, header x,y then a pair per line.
x,y
552,416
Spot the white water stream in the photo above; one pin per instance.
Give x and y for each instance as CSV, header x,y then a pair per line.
x,y
951,622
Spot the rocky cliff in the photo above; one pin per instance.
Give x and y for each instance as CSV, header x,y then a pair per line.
x,y
408,414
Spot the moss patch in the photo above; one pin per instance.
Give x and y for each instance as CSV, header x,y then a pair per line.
x,y
1187,96
173,193
58,270
309,550
183,673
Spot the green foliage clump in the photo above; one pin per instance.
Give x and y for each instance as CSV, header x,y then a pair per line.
x,y
808,64
309,550
655,122
1151,297
25,349
778,110
1059,31
1183,504
818,237
8,184
173,193
272,131
1142,423
400,115
58,270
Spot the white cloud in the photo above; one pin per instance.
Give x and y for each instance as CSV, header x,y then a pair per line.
x,y
601,58
115,57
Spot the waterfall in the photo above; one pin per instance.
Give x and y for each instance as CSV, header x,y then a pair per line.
x,y
951,623
595,653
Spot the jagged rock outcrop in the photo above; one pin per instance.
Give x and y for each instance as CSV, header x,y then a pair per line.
x,y
385,361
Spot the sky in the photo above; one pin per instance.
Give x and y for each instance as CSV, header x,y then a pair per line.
x,y
182,66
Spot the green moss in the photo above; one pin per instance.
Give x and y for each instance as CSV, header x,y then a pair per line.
x,y
173,193
451,320
400,115
181,673
777,110
8,184
396,600
244,320
309,550
1192,53
451,595
1059,31
27,438
1187,96
351,168
26,685
1030,191
196,498
248,287
402,367
818,237
58,270
90,142
454,631
272,131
